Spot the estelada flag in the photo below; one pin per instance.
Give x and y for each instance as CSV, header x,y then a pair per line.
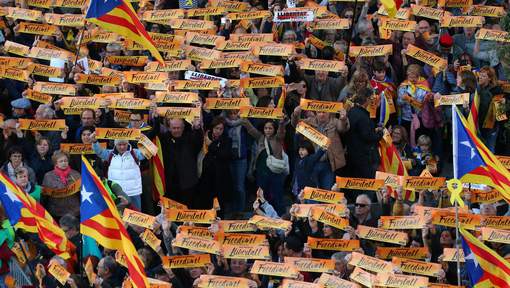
x,y
118,16
158,172
101,221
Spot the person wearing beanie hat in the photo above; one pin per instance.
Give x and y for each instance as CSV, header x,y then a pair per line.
x,y
19,107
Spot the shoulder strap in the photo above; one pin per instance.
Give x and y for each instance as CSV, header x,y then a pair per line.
x,y
133,154
268,151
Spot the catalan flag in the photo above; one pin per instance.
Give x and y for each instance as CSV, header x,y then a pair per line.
x,y
393,164
158,172
118,16
391,6
25,213
473,162
473,113
484,266
101,221
384,113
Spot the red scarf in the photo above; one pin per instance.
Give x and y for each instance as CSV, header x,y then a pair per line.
x,y
63,173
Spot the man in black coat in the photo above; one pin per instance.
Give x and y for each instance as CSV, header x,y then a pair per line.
x,y
362,139
180,151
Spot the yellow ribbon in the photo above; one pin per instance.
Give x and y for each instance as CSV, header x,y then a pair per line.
x,y
455,188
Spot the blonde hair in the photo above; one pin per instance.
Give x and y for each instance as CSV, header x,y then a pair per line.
x,y
424,140
58,154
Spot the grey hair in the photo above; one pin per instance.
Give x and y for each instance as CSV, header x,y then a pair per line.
x,y
339,256
48,112
109,263
120,141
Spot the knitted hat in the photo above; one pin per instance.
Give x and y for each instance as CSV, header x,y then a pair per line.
x,y
446,41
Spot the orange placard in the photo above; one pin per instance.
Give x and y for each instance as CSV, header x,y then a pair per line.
x,y
321,215
363,277
417,267
169,203
197,244
450,254
236,226
191,215
480,196
263,222
488,11
100,80
226,103
495,235
455,3
321,65
138,218
16,48
131,104
66,20
382,235
79,148
220,63
196,85
427,12
264,37
174,65
240,239
204,39
447,218
152,240
499,222
248,15
370,51
331,24
505,160
401,281
398,25
137,77
195,231
47,71
274,269
55,88
262,82
315,265
160,15
359,183
402,222
200,54
387,253
313,135
14,73
426,57
38,97
260,252
330,281
191,24
370,263
176,97
136,61
261,68
417,182
261,112
17,13
321,195
59,272
200,12
42,125
333,244
118,133
80,102
272,49
321,106
187,113
214,281
186,261
461,21
16,62
288,283
37,28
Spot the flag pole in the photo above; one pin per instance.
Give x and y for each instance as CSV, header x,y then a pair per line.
x,y
455,175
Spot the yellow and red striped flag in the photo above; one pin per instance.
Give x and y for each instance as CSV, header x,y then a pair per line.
x,y
158,172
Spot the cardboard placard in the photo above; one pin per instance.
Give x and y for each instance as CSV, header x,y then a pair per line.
x,y
320,106
186,113
455,99
313,135
401,281
321,65
150,239
499,222
314,265
226,103
197,244
479,196
138,218
387,253
220,63
417,182
191,215
15,74
331,24
196,231
447,218
363,277
208,11
186,261
66,20
330,281
251,15
288,283
427,12
461,21
169,203
261,68
417,267
118,133
370,51
16,48
137,77
38,97
40,3
359,183
160,15
16,62
263,37
236,226
113,96
135,61
261,112
259,252
203,39
272,49
263,222
274,269
200,54
81,102
70,3
304,210
17,13
47,71
262,82
398,25
328,218
48,54
402,13
191,24
450,255
79,148
382,235
321,195
100,80
42,125
402,222
332,244
215,281
231,6
174,65
196,85
495,235
59,272
37,28
492,35
455,3
131,104
426,57
488,11
370,263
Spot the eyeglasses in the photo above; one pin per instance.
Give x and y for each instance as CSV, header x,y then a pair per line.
x,y
135,120
361,205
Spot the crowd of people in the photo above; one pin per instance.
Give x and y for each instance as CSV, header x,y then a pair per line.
x,y
257,172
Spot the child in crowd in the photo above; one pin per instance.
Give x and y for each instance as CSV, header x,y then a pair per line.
x,y
303,175
425,159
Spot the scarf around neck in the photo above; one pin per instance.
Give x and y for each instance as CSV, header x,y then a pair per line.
x,y
63,173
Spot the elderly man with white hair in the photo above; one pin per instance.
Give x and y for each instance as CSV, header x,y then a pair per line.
x,y
123,162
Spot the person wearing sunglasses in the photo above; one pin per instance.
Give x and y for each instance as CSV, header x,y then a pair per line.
x,y
362,214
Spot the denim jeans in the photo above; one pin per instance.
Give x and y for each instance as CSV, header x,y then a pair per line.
x,y
325,177
239,169
136,201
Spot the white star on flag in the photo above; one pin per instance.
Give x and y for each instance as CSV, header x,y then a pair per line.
x,y
85,194
472,257
11,196
467,144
